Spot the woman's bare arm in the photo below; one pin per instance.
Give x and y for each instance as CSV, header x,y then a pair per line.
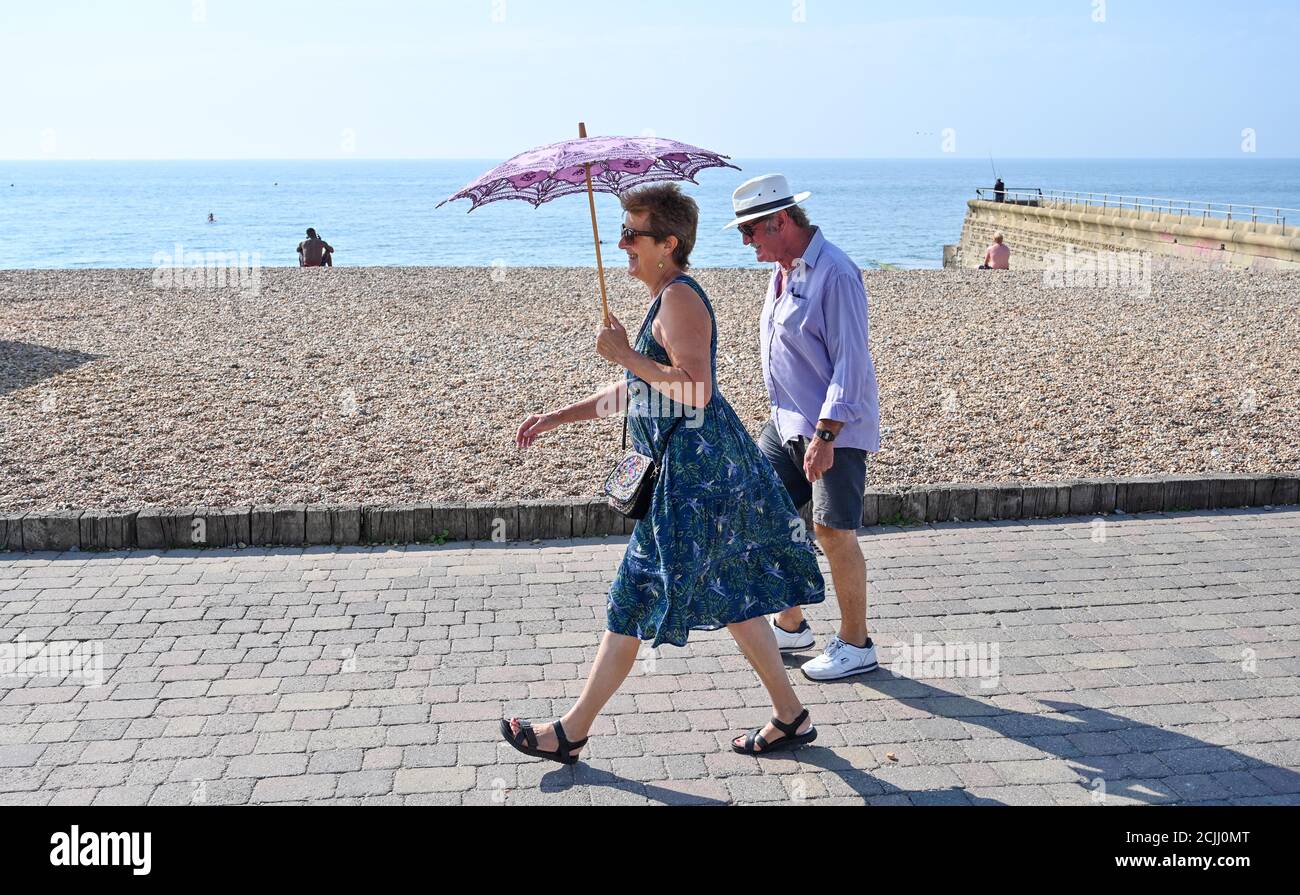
x,y
684,329
608,401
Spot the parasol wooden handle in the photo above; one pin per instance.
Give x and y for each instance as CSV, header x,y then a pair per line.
x,y
595,232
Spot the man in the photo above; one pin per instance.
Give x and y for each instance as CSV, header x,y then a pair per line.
x,y
999,191
998,257
314,251
825,406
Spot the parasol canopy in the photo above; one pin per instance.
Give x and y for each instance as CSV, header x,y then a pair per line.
x,y
589,164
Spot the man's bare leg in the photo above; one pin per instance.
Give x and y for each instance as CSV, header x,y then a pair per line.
x,y
849,577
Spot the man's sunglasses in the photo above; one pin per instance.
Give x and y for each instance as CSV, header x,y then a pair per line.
x,y
747,230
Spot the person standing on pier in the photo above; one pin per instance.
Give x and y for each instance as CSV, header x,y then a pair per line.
x,y
825,404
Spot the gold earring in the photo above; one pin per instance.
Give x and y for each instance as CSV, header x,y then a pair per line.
x,y
661,264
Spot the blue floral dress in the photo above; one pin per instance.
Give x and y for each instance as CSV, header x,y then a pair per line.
x,y
722,542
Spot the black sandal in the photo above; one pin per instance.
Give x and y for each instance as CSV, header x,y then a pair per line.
x,y
792,739
527,736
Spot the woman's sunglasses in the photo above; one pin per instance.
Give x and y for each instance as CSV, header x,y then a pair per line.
x,y
630,235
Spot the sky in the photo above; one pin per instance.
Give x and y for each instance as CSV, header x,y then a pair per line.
x,y
485,79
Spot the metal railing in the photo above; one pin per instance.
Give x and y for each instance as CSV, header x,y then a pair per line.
x,y
1183,208
1011,197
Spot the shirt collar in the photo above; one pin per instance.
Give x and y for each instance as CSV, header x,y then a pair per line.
x,y
810,255
814,250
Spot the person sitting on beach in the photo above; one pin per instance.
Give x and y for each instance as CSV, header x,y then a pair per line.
x,y
314,251
721,544
825,419
998,257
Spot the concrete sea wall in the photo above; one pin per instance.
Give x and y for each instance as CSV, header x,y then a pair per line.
x,y
1040,235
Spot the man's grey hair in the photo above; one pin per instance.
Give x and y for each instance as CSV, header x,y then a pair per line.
x,y
799,216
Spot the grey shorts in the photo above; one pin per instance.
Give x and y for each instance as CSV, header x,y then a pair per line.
x,y
836,496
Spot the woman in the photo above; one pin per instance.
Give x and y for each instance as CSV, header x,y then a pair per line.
x,y
721,544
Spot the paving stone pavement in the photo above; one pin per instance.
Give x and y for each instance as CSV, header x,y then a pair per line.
x,y
1145,659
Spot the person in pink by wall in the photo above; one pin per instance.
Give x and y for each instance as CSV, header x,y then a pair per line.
x,y
998,257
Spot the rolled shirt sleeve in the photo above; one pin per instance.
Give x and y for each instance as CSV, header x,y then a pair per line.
x,y
844,309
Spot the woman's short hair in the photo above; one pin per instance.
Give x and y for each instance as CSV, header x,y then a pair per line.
x,y
672,213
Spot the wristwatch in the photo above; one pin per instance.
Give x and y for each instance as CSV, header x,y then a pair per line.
x,y
825,434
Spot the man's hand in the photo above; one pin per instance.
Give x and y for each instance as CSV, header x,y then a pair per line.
x,y
818,459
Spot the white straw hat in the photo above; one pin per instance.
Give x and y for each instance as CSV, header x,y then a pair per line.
x,y
762,196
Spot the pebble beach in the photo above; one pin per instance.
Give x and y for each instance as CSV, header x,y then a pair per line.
x,y
402,385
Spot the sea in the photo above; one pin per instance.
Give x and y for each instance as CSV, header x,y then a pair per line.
x,y
883,212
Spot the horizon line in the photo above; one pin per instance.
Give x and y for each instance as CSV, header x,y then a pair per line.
x,y
808,158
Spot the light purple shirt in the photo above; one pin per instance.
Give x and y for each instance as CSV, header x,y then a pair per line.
x,y
816,357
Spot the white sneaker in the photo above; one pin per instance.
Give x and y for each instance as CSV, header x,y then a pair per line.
x,y
789,643
841,660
